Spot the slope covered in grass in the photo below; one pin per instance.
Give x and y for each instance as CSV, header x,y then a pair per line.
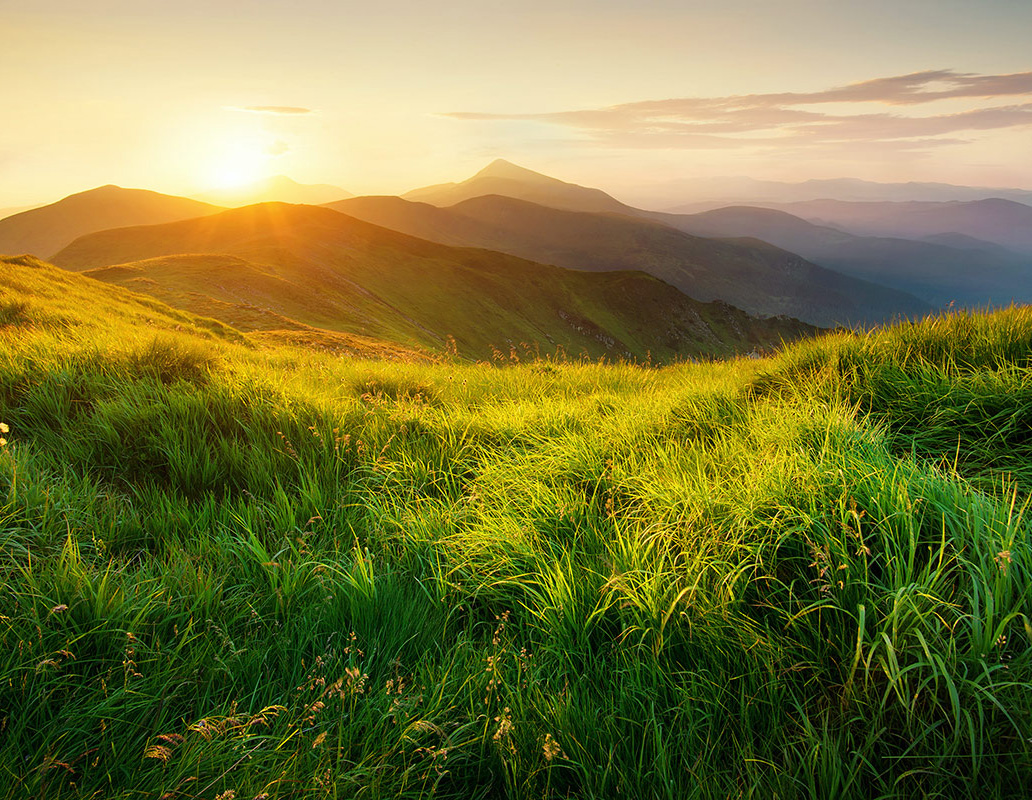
x,y
275,572
324,269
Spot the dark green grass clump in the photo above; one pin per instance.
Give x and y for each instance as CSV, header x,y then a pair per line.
x,y
282,574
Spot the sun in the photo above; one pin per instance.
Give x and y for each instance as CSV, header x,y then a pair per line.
x,y
237,164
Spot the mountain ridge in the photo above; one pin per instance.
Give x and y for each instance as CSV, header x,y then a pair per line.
x,y
328,270
934,271
44,230
765,281
502,177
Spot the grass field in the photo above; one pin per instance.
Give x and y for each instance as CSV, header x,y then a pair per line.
x,y
245,570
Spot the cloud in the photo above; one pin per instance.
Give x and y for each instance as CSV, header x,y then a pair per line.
x,y
277,148
279,110
790,119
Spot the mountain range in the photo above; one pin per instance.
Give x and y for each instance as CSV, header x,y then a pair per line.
x,y
997,220
269,266
939,269
755,276
701,194
510,255
967,252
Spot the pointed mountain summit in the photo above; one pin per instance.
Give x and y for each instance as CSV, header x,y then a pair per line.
x,y
500,168
277,189
504,178
43,231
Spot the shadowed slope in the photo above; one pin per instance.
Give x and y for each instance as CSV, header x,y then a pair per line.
x,y
936,271
44,231
751,275
1003,222
321,268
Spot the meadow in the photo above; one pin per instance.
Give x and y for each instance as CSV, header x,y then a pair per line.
x,y
235,569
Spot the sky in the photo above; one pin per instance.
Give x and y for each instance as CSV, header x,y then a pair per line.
x,y
383,97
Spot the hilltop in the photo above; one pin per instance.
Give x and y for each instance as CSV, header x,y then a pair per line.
x,y
45,230
510,180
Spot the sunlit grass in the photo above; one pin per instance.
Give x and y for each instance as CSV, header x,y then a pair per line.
x,y
271,571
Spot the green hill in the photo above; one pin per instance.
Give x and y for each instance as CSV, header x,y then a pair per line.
x,y
43,231
233,569
327,270
44,299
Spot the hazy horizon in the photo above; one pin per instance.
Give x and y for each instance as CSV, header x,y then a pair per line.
x,y
382,100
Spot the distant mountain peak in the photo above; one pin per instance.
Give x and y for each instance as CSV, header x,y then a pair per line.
x,y
502,177
107,190
500,168
44,230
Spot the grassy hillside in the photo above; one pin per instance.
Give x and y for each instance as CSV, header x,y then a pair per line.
x,y
43,231
269,572
754,276
257,266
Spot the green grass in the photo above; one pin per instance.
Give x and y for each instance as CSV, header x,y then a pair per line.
x,y
276,572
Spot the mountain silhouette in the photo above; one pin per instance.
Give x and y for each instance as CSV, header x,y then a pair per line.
x,y
502,177
938,272
45,230
751,275
1003,222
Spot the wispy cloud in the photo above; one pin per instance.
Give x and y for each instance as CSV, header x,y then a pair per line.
x,y
277,148
789,119
279,110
